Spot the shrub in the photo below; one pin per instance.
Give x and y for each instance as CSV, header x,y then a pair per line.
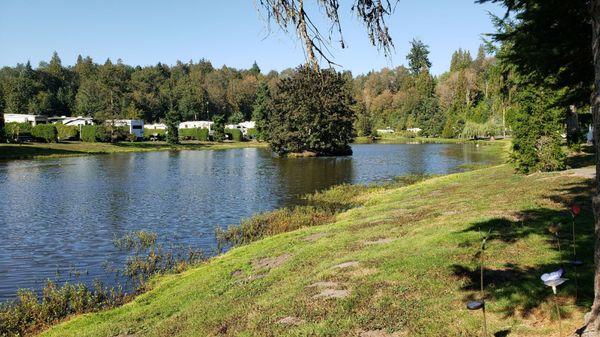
x,y
218,128
235,134
158,133
94,133
14,130
252,133
131,137
45,132
66,132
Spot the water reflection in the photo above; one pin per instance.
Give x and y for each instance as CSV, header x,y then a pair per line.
x,y
64,213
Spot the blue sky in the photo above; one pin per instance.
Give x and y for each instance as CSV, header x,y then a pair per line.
x,y
229,32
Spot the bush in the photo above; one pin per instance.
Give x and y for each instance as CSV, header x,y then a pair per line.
x,y
312,113
66,132
45,132
252,134
194,134
158,133
14,130
235,134
131,137
94,133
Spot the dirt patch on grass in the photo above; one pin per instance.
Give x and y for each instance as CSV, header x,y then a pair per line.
x,y
381,333
379,241
324,285
271,262
332,293
345,265
291,321
314,237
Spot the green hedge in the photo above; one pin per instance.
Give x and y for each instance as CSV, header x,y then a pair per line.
x,y
235,134
66,132
14,130
94,133
194,134
45,132
152,132
252,133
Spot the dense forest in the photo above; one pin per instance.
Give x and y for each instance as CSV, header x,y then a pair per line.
x,y
469,97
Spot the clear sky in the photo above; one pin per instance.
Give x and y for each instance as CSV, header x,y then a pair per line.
x,y
229,32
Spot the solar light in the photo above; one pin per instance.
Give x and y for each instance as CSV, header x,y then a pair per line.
x,y
554,279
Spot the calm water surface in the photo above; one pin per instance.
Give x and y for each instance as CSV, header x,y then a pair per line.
x,y
61,215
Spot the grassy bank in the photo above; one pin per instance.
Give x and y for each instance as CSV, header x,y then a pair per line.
x,y
67,149
398,139
403,262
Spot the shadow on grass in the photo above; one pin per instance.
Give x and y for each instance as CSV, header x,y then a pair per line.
x,y
586,157
24,151
519,286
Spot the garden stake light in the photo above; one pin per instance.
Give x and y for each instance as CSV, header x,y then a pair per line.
x,y
553,280
555,229
477,305
575,210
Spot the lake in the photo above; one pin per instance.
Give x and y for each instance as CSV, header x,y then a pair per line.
x,y
58,216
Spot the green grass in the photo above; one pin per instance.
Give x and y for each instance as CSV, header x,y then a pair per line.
x,y
66,149
414,283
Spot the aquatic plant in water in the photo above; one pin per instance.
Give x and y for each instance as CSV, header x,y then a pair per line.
x,y
553,280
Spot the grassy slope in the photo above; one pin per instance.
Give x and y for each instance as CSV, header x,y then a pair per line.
x,y
65,149
415,285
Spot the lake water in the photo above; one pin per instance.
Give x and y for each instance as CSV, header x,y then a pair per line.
x,y
60,215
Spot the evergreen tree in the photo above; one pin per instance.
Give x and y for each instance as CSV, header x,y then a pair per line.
x,y
418,57
261,111
172,120
218,128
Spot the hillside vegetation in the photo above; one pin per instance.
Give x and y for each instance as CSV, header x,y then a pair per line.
x,y
402,265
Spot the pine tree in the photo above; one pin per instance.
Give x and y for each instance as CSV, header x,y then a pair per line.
x,y
261,111
418,57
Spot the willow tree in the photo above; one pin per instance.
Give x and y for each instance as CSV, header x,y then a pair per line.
x,y
293,15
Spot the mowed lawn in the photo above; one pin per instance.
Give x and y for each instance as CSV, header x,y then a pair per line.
x,y
75,148
402,265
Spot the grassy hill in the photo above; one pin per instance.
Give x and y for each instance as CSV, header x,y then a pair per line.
x,y
401,265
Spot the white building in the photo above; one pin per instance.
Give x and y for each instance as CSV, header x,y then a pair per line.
x,y
196,125
248,125
73,121
156,126
136,126
23,118
415,130
386,130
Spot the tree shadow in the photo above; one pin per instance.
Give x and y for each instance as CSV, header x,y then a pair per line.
x,y
518,286
586,157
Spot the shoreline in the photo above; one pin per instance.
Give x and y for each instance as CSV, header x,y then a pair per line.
x,y
76,148
29,151
383,244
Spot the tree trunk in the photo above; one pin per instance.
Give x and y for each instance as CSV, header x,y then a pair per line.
x,y
593,318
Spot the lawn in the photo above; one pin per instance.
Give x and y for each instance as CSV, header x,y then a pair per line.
x,y
65,149
400,265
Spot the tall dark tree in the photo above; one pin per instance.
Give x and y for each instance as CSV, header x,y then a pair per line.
x,y
560,40
261,111
418,57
